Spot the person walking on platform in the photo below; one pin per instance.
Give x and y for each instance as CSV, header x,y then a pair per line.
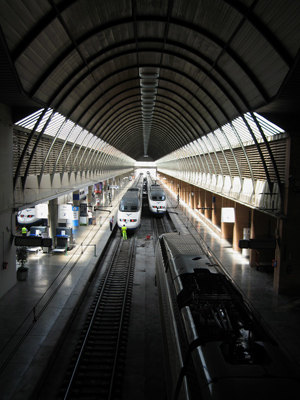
x,y
111,223
124,232
24,231
90,217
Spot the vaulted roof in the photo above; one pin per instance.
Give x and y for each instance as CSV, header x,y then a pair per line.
x,y
147,76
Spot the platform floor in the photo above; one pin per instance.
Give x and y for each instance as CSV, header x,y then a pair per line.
x,y
33,313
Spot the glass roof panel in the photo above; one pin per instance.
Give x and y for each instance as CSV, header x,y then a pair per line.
x,y
54,125
242,130
214,139
65,132
207,144
30,121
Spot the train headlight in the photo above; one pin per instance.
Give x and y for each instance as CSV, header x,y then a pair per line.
x,y
133,220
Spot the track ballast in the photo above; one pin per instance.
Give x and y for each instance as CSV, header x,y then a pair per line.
x,y
96,369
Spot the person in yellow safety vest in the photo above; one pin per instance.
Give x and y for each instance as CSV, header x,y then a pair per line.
x,y
124,232
24,231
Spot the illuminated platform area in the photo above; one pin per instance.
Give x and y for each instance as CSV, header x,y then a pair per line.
x,y
34,312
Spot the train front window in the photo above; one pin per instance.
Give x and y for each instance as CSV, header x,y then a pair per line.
x,y
132,205
157,196
123,206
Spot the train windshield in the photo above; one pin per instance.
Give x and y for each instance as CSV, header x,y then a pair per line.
x,y
129,205
157,195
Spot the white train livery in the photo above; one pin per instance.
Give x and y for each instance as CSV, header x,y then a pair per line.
x,y
156,198
130,207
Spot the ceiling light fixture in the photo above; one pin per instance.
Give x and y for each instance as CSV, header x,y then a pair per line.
x,y
148,89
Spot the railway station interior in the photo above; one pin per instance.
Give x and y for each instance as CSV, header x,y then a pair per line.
x,y
201,94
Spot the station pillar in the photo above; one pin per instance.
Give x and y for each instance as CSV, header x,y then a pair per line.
x,y
242,221
227,227
216,210
90,194
202,201
208,205
7,215
287,265
53,218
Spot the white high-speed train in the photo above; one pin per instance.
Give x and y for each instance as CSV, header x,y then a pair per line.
x,y
28,217
156,198
215,347
130,207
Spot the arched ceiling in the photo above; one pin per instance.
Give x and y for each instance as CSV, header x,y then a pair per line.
x,y
149,76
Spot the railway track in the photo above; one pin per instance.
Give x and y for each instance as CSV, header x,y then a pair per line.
x,y
96,369
91,341
162,225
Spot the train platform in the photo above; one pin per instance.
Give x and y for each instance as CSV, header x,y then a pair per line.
x,y
33,313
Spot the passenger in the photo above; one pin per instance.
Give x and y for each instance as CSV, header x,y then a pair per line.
x,y
24,231
111,223
124,232
90,216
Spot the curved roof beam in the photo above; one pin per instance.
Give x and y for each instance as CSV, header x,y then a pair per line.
x,y
123,99
164,51
21,159
162,80
123,136
214,80
58,9
115,132
263,30
223,112
208,94
168,104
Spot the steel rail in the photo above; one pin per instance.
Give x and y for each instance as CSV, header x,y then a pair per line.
x,y
109,288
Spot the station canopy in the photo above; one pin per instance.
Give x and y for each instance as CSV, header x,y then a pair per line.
x,y
149,77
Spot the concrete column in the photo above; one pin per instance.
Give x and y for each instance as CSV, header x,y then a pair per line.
x,y
242,220
208,204
76,201
178,189
197,197
7,217
227,227
181,191
174,185
193,195
90,194
202,201
287,270
186,193
53,216
263,227
216,212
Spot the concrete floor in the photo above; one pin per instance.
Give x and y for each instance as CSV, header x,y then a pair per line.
x,y
33,312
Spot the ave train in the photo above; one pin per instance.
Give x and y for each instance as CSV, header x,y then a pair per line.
x,y
157,202
130,207
214,346
28,218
